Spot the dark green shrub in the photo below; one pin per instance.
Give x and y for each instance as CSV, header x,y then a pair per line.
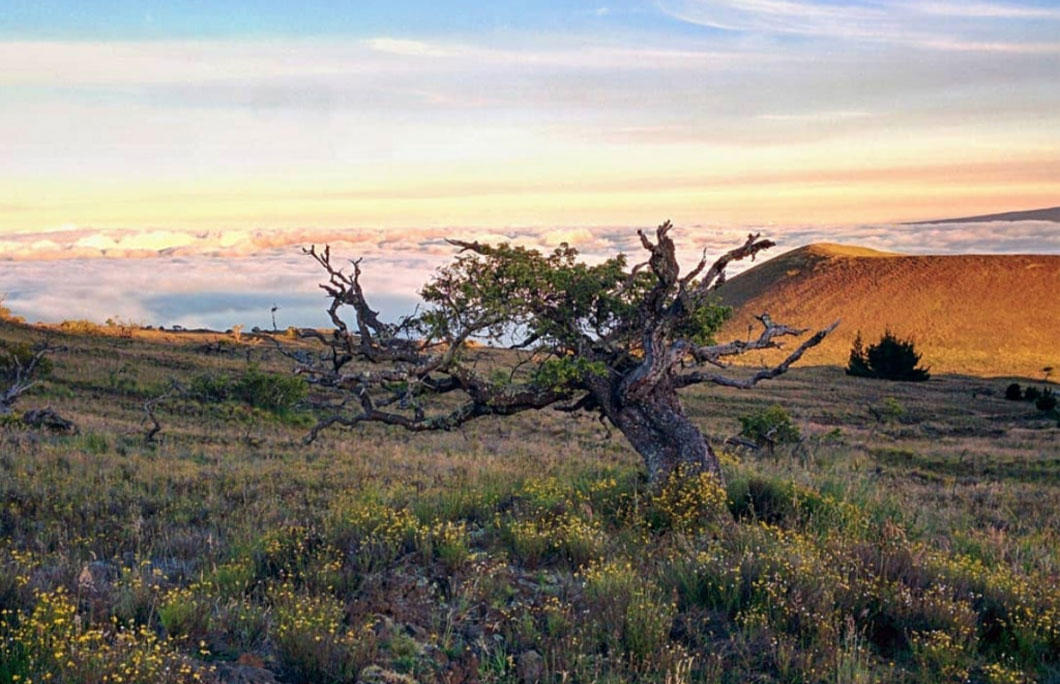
x,y
761,498
1046,402
769,426
1032,394
1014,392
211,389
892,358
268,391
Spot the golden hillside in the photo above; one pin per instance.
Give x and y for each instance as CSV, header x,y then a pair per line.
x,y
976,314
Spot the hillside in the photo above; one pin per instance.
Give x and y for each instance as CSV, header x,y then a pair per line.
x,y
1048,214
978,314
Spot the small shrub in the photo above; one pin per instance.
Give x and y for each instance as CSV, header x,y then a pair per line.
x,y
449,541
1046,402
770,426
268,391
1032,394
892,358
689,504
185,614
761,498
1014,392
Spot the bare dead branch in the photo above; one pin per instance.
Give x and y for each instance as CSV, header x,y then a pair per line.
x,y
22,374
151,404
698,377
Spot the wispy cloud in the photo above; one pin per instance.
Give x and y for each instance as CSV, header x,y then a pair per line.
x,y
938,25
408,48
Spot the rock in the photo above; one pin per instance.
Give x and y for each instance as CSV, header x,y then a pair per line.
x,y
95,578
49,420
530,667
240,673
373,674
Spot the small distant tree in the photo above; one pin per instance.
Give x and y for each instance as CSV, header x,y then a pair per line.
x,y
619,342
859,363
1014,392
892,358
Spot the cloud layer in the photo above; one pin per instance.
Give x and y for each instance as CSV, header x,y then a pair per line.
x,y
221,278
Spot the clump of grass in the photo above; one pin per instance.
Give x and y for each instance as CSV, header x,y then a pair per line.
x,y
631,617
311,640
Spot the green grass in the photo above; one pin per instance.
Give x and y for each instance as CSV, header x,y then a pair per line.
x,y
919,542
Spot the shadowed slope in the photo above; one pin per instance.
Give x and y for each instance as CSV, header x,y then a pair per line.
x,y
979,314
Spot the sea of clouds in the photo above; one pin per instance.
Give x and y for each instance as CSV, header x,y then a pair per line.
x,y
221,278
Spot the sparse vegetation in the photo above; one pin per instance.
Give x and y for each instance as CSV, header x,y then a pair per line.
x,y
526,548
891,358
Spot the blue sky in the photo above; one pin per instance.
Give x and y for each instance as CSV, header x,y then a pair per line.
x,y
122,20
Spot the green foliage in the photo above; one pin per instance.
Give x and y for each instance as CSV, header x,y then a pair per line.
x,y
1046,402
770,425
268,391
703,322
891,358
567,370
553,299
1014,392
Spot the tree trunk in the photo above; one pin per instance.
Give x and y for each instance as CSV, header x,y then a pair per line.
x,y
664,436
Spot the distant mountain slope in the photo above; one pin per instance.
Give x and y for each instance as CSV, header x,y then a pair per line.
x,y
1050,214
978,314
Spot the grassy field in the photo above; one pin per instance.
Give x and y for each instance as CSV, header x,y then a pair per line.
x,y
912,535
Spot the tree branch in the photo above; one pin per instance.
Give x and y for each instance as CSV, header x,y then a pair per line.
x,y
698,377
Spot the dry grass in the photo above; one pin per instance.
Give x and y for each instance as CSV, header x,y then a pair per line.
x,y
993,315
911,536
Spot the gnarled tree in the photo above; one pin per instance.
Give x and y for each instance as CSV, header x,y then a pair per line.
x,y
612,340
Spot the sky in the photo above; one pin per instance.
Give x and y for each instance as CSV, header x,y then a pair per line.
x,y
227,129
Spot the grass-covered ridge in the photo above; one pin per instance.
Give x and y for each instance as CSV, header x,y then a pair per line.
x,y
910,536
